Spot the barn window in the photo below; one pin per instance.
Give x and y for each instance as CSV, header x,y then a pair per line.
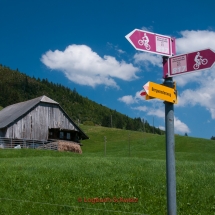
x,y
61,135
68,136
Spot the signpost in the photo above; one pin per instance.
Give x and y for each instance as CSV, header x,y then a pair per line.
x,y
160,91
175,65
190,62
162,45
151,42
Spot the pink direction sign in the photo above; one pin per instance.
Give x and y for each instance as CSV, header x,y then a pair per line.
x,y
190,62
151,42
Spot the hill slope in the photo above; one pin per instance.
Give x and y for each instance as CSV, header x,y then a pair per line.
x,y
50,182
122,143
17,87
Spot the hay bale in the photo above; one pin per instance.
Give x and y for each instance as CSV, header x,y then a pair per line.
x,y
69,146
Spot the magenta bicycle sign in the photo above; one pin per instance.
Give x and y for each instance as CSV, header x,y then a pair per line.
x,y
151,42
190,62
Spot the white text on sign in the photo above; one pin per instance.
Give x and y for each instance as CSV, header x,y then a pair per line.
x,y
179,64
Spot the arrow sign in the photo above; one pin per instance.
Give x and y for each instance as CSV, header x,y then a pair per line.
x,y
160,91
146,96
190,62
151,42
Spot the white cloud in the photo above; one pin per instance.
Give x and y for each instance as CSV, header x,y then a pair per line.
x,y
194,41
128,99
111,46
85,67
183,80
120,51
162,128
141,108
157,112
138,96
203,95
147,58
150,28
180,126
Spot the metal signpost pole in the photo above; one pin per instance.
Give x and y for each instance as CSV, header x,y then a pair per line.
x,y
165,46
170,151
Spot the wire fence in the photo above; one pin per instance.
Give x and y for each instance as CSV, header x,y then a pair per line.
x,y
72,206
10,143
128,145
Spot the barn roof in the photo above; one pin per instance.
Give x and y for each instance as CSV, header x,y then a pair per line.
x,y
13,112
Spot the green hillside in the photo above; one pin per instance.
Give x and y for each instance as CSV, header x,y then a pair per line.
x,y
145,145
50,182
17,87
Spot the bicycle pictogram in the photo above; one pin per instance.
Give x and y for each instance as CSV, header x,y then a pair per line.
x,y
144,41
199,61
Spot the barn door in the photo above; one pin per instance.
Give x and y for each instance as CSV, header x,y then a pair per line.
x,y
54,133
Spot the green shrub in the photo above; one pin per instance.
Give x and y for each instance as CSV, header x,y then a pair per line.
x,y
90,123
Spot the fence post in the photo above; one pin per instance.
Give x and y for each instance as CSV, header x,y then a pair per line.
x,y
129,148
105,144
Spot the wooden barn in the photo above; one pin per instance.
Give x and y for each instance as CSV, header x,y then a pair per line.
x,y
41,119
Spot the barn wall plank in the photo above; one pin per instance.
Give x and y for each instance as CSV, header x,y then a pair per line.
x,y
36,123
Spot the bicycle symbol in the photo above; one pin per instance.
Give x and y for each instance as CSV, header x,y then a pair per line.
x,y
199,61
145,42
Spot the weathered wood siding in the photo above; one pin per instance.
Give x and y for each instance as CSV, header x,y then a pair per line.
x,y
36,123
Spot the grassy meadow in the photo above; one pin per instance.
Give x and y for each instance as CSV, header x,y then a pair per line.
x,y
129,177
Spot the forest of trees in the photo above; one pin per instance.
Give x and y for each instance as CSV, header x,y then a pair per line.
x,y
17,87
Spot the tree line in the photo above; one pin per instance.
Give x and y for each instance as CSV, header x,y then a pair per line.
x,y
18,87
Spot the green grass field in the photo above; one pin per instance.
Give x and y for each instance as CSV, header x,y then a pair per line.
x,y
133,168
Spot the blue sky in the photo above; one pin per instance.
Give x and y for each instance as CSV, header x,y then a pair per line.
x,y
81,44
